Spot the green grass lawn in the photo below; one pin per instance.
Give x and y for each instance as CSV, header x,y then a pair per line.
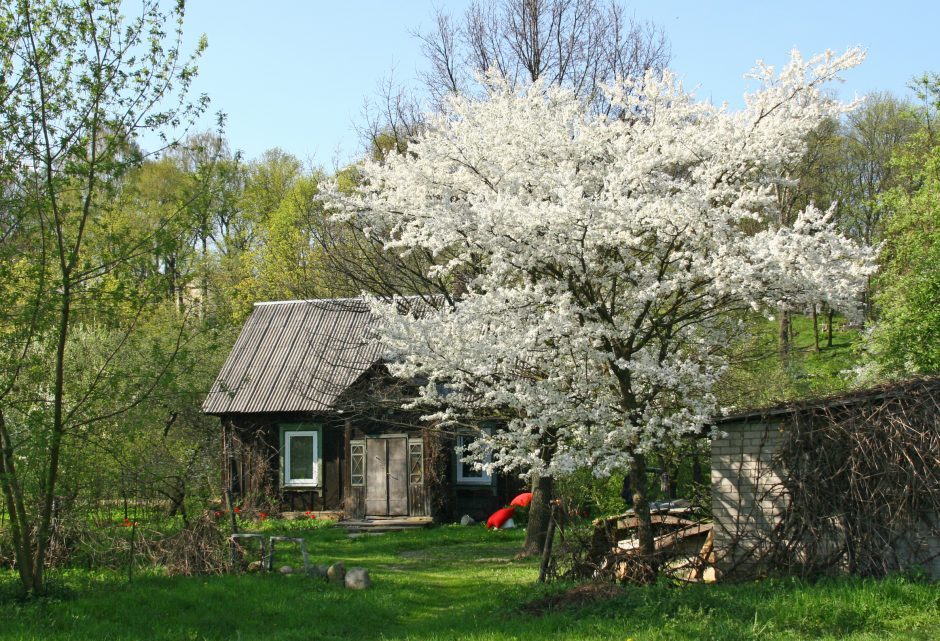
x,y
455,583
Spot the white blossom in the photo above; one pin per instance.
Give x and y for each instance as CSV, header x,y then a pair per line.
x,y
601,256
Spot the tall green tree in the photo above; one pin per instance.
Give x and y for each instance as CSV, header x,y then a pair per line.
x,y
871,136
80,84
906,338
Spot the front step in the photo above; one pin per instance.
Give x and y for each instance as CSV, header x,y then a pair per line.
x,y
385,524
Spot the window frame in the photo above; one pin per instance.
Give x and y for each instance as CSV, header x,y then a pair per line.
x,y
289,431
485,478
415,445
357,443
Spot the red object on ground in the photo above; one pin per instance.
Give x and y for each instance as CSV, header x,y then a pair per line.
x,y
499,517
522,500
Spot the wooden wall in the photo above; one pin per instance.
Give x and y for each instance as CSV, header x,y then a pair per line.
x,y
251,468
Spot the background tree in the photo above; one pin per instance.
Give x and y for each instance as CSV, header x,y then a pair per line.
x,y
871,136
847,162
578,44
906,336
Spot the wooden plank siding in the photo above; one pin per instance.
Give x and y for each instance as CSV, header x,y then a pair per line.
x,y
252,468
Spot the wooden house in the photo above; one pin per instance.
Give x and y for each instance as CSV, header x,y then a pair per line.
x,y
311,420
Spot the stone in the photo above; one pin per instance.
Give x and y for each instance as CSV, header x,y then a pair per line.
x,y
358,579
255,566
318,571
466,519
336,573
286,569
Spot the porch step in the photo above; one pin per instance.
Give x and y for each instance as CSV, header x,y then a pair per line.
x,y
385,524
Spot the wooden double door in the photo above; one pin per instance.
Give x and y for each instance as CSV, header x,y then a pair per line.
x,y
387,476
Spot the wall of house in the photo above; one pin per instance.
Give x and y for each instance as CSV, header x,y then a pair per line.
x,y
478,501
419,493
251,465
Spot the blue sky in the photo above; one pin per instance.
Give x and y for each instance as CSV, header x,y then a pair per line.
x,y
294,74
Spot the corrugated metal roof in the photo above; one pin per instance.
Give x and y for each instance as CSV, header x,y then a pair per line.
x,y
295,356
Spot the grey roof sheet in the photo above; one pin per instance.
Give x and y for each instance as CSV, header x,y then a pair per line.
x,y
295,356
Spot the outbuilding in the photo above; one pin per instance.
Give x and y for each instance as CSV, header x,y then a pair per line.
x,y
847,483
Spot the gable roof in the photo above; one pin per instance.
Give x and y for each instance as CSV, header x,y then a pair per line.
x,y
295,356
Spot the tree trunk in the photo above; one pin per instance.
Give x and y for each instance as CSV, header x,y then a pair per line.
x,y
641,507
815,329
697,476
667,480
205,278
783,334
829,316
540,515
547,550
16,511
44,531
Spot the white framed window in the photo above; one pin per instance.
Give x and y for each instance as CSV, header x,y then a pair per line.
x,y
467,473
357,463
300,456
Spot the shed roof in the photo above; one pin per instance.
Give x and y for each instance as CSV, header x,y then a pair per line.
x,y
295,356
882,392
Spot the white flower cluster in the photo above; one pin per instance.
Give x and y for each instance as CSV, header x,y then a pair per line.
x,y
601,256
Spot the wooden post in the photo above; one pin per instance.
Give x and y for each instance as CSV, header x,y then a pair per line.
x,y
346,470
267,562
233,552
547,549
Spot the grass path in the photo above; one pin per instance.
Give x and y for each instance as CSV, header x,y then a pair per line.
x,y
456,583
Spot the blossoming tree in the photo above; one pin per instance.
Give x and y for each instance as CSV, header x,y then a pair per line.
x,y
598,261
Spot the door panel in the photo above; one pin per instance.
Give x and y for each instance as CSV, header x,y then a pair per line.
x,y
397,476
387,476
376,473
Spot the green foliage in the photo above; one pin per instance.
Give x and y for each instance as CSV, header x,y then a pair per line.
x,y
864,168
282,527
290,262
80,82
456,583
758,378
583,491
906,339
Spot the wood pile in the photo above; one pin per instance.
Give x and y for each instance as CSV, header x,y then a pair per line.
x,y
684,548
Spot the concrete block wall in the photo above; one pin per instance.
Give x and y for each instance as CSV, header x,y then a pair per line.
x,y
747,497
